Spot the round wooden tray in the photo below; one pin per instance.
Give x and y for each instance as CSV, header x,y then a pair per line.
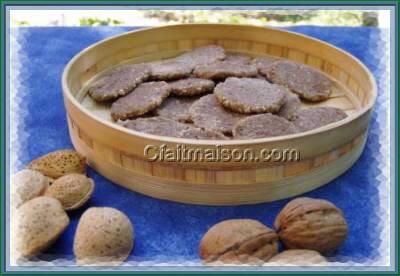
x,y
118,153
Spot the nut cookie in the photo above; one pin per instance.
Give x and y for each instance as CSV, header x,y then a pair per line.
x,y
176,108
223,69
170,69
202,55
146,97
309,83
291,106
191,86
307,119
118,82
262,126
209,114
245,95
167,127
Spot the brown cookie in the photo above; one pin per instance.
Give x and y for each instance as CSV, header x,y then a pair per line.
x,y
239,241
176,108
291,106
203,55
261,63
118,82
167,127
170,69
191,86
245,95
223,69
143,99
304,80
209,114
316,117
238,58
262,126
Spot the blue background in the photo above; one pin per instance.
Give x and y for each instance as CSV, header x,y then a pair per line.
x,y
171,231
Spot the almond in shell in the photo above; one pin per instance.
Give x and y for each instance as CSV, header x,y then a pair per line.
x,y
27,184
36,225
58,163
104,236
72,190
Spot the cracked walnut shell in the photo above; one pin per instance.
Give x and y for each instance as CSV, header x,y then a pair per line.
x,y
238,241
315,224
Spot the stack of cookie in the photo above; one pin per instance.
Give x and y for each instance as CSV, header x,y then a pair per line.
x,y
208,93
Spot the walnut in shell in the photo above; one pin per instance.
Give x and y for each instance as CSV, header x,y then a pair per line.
x,y
298,257
59,163
238,241
315,224
72,190
36,225
104,236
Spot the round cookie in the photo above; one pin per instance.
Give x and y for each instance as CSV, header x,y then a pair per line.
x,y
203,55
143,99
304,80
238,58
223,69
191,86
170,69
245,95
118,82
176,108
261,63
291,106
316,117
209,114
262,126
167,127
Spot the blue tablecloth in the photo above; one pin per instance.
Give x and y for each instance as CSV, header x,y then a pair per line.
x,y
171,231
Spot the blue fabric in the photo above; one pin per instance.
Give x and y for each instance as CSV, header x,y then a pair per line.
x,y
169,230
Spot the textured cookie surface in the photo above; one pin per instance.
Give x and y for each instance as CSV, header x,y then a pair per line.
x,y
176,108
146,97
209,114
72,190
27,184
262,63
223,69
191,86
104,236
118,82
167,127
238,241
238,58
37,224
203,55
304,80
262,126
245,95
290,107
170,69
59,163
316,117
